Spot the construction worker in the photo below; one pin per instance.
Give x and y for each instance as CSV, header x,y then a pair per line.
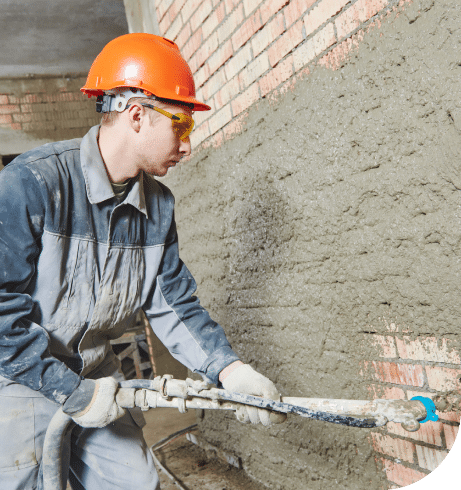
x,y
87,239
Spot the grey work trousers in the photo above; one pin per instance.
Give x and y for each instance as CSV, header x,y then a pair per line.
x,y
114,457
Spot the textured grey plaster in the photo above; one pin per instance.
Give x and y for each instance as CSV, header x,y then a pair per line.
x,y
334,214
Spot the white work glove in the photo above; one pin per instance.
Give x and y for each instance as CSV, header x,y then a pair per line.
x,y
244,379
101,409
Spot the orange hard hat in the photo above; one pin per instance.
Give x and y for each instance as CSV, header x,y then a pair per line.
x,y
147,62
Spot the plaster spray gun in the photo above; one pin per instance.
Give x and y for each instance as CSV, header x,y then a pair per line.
x,y
185,394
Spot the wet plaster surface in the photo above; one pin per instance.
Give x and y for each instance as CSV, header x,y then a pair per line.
x,y
335,214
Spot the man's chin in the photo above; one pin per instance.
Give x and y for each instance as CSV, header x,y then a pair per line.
x,y
158,173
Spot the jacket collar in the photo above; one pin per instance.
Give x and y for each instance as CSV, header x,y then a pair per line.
x,y
98,186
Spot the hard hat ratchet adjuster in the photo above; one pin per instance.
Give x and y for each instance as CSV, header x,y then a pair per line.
x,y
118,99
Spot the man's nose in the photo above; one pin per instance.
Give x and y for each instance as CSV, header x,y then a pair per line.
x,y
185,147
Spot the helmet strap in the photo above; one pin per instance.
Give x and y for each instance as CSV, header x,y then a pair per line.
x,y
117,99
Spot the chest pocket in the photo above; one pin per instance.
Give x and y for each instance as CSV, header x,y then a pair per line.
x,y
80,279
119,294
64,288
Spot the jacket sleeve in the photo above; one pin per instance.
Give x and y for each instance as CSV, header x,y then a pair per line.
x,y
180,322
24,345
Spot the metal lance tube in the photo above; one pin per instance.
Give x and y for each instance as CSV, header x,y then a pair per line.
x,y
184,394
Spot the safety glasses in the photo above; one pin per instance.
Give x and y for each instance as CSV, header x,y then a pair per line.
x,y
182,123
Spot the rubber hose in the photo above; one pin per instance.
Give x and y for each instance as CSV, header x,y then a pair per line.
x,y
53,479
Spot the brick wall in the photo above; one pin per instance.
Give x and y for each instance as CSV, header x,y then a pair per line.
x,y
36,110
293,240
245,51
241,51
405,367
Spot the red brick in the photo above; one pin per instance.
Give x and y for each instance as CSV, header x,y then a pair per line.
x,y
206,49
230,5
401,475
12,99
220,119
430,432
443,379
162,8
233,20
174,29
192,45
80,97
238,61
271,7
254,70
285,43
429,458
5,119
200,133
31,99
276,76
16,126
22,117
324,11
220,56
450,416
450,431
4,99
175,8
386,392
394,447
358,13
9,109
245,31
201,75
215,83
189,8
412,393
227,92
164,24
201,14
213,20
183,36
428,349
245,100
294,10
266,36
250,5
391,372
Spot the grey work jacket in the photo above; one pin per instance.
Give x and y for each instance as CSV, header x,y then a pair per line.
x,y
76,265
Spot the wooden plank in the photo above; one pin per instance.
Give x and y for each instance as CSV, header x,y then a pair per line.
x,y
126,352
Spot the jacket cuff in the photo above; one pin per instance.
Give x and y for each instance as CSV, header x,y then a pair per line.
x,y
80,398
61,384
215,363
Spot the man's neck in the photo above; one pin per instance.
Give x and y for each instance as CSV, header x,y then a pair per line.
x,y
116,155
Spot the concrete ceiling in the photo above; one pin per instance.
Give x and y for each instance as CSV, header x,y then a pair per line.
x,y
56,37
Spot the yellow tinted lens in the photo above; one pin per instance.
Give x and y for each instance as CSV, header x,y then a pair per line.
x,y
184,126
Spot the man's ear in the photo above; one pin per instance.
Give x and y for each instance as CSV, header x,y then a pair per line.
x,y
136,116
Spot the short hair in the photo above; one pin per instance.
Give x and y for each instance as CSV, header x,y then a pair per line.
x,y
109,118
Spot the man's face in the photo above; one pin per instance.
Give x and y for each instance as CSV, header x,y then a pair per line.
x,y
159,147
